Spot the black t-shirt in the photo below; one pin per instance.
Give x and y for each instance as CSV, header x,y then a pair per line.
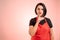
x,y
33,21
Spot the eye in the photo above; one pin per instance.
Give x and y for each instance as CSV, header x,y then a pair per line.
x,y
41,9
38,8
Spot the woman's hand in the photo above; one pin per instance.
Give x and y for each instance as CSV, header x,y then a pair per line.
x,y
52,34
39,19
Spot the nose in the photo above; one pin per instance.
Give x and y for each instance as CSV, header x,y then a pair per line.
x,y
40,11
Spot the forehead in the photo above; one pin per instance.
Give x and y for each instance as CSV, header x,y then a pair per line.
x,y
39,6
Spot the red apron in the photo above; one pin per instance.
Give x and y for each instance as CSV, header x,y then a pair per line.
x,y
42,32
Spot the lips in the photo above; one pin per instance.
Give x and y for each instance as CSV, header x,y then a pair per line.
x,y
39,13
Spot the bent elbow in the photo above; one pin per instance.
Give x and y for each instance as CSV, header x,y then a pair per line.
x,y
31,34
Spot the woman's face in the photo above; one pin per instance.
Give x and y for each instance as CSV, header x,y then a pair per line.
x,y
39,10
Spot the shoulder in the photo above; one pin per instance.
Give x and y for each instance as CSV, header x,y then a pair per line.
x,y
47,18
33,19
49,22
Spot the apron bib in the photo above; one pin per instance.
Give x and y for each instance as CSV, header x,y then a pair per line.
x,y
42,32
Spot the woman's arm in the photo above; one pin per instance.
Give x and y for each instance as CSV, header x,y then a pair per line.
x,y
51,28
52,34
32,30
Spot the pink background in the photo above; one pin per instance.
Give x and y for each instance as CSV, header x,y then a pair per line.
x,y
15,16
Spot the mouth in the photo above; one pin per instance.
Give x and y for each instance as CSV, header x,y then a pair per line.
x,y
39,13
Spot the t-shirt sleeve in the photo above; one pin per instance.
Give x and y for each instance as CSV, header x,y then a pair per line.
x,y
49,23
32,22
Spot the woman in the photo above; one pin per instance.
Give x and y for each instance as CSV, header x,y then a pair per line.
x,y
40,27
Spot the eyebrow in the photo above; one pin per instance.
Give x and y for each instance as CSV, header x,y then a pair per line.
x,y
40,8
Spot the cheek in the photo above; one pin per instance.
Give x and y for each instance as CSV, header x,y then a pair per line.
x,y
41,11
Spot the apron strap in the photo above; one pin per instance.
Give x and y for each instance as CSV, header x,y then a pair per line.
x,y
45,19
